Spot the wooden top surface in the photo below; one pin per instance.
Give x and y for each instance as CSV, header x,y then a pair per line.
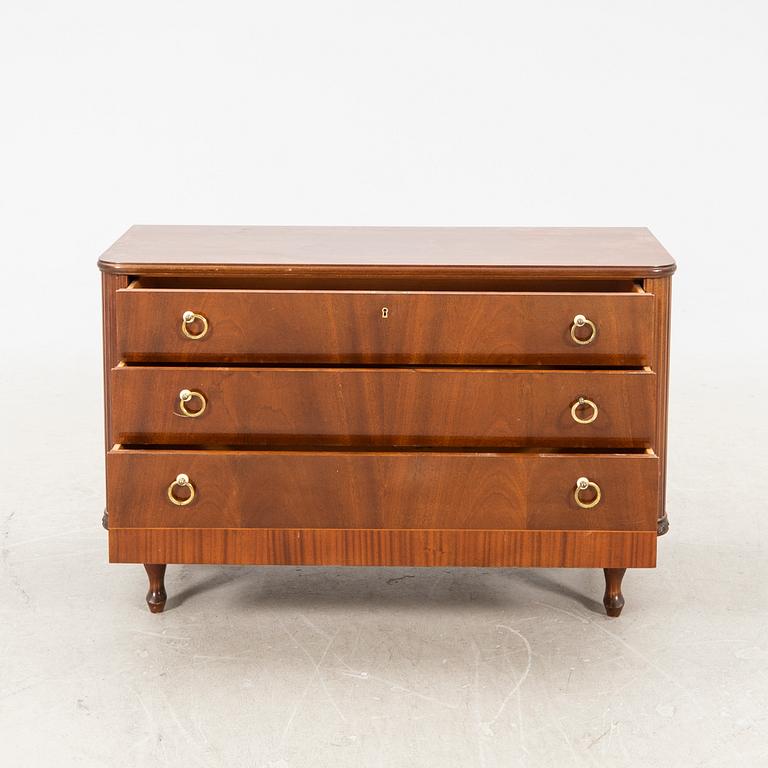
x,y
597,252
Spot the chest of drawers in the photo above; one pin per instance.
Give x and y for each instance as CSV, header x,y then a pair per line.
x,y
386,396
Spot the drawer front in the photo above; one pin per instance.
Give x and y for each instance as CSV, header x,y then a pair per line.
x,y
382,407
394,490
383,327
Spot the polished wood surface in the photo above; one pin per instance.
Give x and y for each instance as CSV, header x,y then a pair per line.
x,y
383,406
575,251
391,489
364,547
448,328
386,396
156,596
613,599
662,291
110,284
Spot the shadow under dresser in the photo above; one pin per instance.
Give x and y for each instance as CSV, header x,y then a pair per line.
x,y
366,396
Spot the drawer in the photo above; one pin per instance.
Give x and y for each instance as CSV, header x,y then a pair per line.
x,y
396,327
436,407
394,490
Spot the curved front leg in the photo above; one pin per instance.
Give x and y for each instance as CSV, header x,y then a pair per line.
x,y
156,596
613,600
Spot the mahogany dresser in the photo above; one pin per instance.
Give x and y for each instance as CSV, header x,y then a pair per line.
x,y
386,396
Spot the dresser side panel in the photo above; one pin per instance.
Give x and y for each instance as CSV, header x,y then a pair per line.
x,y
110,284
661,288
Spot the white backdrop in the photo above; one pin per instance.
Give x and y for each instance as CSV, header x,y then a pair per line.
x,y
413,113
549,113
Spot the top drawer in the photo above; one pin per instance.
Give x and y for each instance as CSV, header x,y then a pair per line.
x,y
380,327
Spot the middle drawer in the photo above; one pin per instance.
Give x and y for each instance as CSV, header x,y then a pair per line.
x,y
434,407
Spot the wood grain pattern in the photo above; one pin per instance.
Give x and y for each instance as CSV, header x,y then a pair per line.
x,y
383,407
451,328
575,251
391,489
364,547
110,284
337,433
661,289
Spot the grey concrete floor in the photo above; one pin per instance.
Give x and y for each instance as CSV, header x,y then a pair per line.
x,y
285,667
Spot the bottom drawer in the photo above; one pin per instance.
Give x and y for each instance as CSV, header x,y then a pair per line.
x,y
381,490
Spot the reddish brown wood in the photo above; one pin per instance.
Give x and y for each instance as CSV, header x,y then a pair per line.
x,y
661,288
110,283
582,252
383,406
333,476
613,600
395,489
450,328
364,547
156,596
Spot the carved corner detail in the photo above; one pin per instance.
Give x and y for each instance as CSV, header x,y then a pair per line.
x,y
105,520
662,525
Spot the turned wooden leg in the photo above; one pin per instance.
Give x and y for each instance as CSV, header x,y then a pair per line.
x,y
613,600
156,596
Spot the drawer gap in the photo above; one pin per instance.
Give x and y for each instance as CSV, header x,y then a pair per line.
x,y
489,284
223,364
313,448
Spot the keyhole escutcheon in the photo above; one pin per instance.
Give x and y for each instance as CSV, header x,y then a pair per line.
x,y
385,312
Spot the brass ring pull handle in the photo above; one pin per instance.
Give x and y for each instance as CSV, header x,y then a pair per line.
x,y
579,322
185,396
582,484
582,401
190,317
181,481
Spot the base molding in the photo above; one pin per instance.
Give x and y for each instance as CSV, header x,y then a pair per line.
x,y
384,547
